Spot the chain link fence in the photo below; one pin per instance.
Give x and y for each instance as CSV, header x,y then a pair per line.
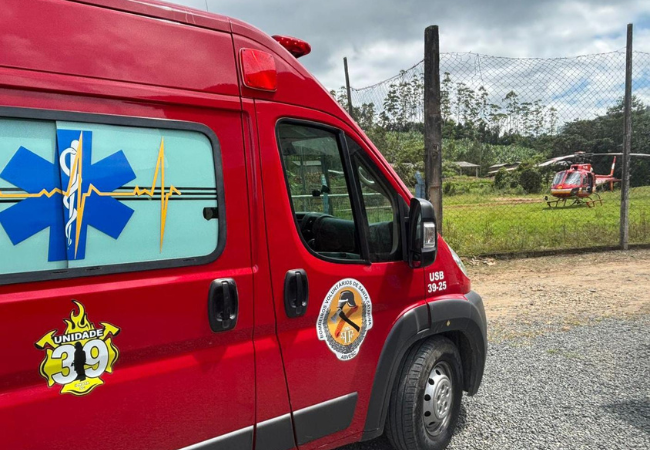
x,y
502,117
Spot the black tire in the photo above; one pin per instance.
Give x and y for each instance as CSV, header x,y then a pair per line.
x,y
405,425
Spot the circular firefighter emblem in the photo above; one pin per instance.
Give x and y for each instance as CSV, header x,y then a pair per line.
x,y
345,318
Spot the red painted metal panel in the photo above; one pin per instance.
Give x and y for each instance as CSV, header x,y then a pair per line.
x,y
38,84
271,386
298,87
443,278
314,373
77,39
175,382
295,85
166,10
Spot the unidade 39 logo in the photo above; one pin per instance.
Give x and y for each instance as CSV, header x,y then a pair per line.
x,y
78,358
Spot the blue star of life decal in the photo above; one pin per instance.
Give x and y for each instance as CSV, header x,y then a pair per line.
x,y
67,195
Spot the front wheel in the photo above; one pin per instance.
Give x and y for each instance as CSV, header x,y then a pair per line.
x,y
425,402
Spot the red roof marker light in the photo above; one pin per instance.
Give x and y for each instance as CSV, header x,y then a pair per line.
x,y
258,70
297,47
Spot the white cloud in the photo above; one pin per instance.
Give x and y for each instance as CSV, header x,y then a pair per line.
x,y
382,37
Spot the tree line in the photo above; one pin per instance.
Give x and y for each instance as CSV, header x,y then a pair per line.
x,y
482,132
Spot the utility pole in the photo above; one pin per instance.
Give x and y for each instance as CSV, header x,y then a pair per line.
x,y
433,122
627,144
347,86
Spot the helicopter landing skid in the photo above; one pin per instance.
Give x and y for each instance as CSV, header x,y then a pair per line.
x,y
590,202
577,201
560,202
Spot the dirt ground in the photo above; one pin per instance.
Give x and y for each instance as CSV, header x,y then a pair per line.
x,y
551,383
562,291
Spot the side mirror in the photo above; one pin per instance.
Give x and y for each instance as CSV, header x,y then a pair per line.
x,y
423,234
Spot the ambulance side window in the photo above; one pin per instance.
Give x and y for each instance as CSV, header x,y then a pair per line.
x,y
80,196
379,205
319,190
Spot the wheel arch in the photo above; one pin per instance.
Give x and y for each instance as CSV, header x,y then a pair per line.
x,y
460,320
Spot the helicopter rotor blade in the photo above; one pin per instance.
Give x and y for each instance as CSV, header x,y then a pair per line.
x,y
642,155
556,160
552,161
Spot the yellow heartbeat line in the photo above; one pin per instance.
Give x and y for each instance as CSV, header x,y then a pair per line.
x,y
137,191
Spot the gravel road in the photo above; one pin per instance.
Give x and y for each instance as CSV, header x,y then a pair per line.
x,y
560,376
585,388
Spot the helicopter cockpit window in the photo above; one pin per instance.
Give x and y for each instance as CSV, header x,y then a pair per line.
x,y
558,177
573,178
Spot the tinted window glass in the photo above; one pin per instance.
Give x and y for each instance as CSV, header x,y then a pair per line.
x,y
572,178
379,206
75,195
319,190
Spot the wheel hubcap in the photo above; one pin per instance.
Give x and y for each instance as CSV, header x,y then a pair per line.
x,y
438,399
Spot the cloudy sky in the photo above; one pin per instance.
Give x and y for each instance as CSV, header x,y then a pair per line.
x,y
381,37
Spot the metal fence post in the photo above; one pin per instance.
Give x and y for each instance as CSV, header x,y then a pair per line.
x,y
433,121
627,144
347,86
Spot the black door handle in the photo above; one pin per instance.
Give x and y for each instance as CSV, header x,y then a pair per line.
x,y
296,293
223,305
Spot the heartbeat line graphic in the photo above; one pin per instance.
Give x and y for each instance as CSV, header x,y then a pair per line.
x,y
75,183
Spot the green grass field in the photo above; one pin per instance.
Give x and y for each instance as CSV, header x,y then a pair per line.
x,y
492,223
483,224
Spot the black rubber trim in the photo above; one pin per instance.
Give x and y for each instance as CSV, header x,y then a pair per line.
x,y
275,434
134,122
237,440
437,317
468,317
408,329
478,315
359,157
315,422
354,189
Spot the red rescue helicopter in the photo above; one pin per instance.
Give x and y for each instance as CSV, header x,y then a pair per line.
x,y
579,183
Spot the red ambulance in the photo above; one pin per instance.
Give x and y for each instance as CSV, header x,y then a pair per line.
x,y
199,249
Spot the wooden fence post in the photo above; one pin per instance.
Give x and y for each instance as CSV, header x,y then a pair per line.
x,y
433,122
627,145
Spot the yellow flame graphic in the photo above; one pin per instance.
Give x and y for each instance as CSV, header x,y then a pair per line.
x,y
165,194
78,322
